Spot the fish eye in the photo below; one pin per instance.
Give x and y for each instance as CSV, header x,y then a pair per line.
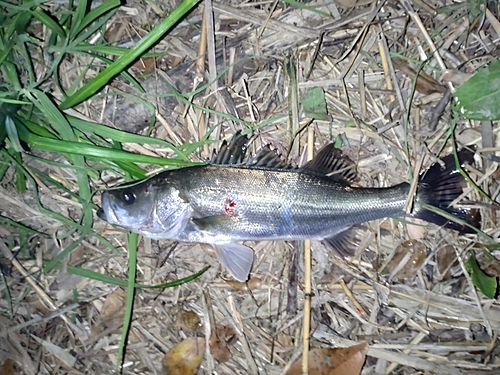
x,y
128,196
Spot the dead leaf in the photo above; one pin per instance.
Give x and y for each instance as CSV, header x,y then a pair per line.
x,y
146,64
77,255
184,358
112,311
188,321
407,260
8,367
446,259
352,3
489,265
425,83
219,341
455,76
417,231
337,361
253,283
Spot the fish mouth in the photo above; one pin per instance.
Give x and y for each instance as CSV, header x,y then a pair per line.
x,y
107,211
101,214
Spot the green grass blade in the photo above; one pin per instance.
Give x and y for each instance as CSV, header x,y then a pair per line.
x,y
85,230
49,22
129,305
120,135
76,20
15,224
96,13
59,123
100,49
12,134
84,149
108,279
123,62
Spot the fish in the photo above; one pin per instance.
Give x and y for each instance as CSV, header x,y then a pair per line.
x,y
230,200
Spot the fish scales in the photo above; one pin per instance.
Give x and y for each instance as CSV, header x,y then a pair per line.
x,y
278,204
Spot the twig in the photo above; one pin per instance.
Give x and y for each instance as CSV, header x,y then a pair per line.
x,y
307,277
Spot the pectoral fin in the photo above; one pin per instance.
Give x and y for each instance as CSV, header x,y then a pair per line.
x,y
236,259
214,223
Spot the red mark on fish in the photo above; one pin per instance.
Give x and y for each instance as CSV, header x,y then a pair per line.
x,y
229,206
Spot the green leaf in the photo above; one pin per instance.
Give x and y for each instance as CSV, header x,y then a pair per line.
x,y
7,221
97,12
49,22
338,142
12,133
300,5
486,284
315,104
479,96
90,150
81,9
108,279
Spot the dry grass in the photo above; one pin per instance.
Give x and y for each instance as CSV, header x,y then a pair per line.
x,y
430,321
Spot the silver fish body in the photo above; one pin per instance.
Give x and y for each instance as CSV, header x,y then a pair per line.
x,y
232,203
222,204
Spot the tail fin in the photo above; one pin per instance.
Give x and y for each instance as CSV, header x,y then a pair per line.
x,y
439,186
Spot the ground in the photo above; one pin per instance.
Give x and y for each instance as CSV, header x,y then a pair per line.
x,y
384,67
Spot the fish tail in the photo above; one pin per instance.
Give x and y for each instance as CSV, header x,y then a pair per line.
x,y
439,186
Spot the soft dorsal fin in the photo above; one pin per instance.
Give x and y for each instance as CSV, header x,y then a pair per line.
x,y
267,158
330,161
232,152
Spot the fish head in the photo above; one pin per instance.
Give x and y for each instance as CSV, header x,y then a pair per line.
x,y
130,206
151,208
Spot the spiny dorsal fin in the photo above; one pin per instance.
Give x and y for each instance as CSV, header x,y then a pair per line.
x,y
330,161
232,152
267,158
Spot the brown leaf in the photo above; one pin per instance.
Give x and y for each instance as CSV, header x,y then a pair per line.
x,y
407,260
338,361
418,231
188,321
455,76
77,255
8,367
146,64
425,83
112,311
219,341
253,283
446,259
353,3
184,358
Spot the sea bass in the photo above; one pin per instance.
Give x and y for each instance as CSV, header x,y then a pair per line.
x,y
230,200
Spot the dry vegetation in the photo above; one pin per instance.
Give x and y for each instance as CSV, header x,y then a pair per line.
x,y
419,312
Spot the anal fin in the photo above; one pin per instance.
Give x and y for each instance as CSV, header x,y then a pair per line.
x,y
343,243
